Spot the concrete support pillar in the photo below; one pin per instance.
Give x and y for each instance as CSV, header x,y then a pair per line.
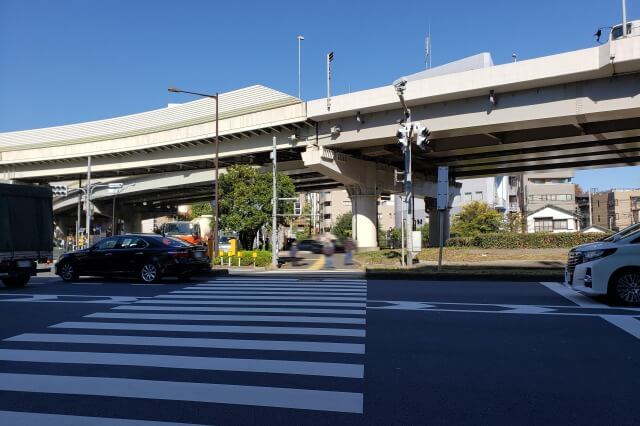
x,y
365,219
434,222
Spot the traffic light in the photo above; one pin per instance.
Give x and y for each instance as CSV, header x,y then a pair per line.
x,y
422,137
59,190
403,137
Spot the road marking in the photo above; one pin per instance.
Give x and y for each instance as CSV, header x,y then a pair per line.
x,y
190,342
628,324
241,318
285,285
252,303
329,298
279,288
350,332
329,369
238,309
256,280
572,295
308,399
317,264
25,297
216,292
38,419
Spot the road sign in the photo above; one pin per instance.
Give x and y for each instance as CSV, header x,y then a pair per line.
x,y
443,188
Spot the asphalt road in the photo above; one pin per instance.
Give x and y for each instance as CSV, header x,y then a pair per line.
x,y
298,349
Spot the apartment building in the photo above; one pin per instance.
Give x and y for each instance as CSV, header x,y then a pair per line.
x,y
549,188
616,209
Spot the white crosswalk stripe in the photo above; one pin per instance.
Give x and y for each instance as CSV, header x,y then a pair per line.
x,y
235,341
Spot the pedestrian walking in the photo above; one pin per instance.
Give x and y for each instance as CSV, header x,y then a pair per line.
x,y
293,252
328,250
349,247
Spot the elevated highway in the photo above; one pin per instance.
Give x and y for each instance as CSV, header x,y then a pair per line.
x,y
578,109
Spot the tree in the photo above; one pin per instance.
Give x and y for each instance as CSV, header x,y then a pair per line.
x,y
342,227
200,209
245,201
476,218
514,222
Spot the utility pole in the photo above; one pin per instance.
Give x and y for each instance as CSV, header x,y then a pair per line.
x,y
274,207
79,214
590,209
88,203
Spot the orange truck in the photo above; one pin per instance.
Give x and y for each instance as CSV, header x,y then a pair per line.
x,y
186,231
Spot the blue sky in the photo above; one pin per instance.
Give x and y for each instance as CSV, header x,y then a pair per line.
x,y
70,61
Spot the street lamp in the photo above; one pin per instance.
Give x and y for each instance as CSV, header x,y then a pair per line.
x,y
300,38
215,164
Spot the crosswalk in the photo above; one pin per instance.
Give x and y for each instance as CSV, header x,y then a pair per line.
x,y
230,342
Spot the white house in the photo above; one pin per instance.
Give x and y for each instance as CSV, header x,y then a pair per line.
x,y
552,219
595,229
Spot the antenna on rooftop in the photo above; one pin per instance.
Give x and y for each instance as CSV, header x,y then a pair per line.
x,y
427,50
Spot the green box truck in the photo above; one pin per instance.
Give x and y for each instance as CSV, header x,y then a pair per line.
x,y
26,231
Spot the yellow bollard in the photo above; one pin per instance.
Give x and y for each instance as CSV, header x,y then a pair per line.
x,y
239,257
254,255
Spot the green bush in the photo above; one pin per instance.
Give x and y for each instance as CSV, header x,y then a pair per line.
x,y
512,240
263,258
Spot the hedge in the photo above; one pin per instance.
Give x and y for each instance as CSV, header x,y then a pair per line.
x,y
263,258
512,240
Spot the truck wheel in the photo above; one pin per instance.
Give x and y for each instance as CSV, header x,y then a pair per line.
x,y
149,273
624,287
68,272
16,282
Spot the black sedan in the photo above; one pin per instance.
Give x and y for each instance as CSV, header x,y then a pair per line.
x,y
146,256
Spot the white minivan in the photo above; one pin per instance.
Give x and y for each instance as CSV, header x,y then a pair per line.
x,y
610,266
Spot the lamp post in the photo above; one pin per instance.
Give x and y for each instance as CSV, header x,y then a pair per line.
x,y
215,164
300,38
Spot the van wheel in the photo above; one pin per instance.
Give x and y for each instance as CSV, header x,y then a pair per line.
x,y
624,287
149,273
68,272
16,282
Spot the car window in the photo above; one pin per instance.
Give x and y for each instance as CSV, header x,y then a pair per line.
x,y
106,244
132,242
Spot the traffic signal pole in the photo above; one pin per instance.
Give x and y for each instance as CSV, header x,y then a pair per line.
x,y
407,134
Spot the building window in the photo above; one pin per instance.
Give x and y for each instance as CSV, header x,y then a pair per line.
x,y
346,202
327,216
543,224
560,224
327,203
598,218
478,196
598,203
551,197
467,196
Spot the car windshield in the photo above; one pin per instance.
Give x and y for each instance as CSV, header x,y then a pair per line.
x,y
630,230
224,240
177,228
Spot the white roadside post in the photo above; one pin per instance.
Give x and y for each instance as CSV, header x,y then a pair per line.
x,y
442,205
